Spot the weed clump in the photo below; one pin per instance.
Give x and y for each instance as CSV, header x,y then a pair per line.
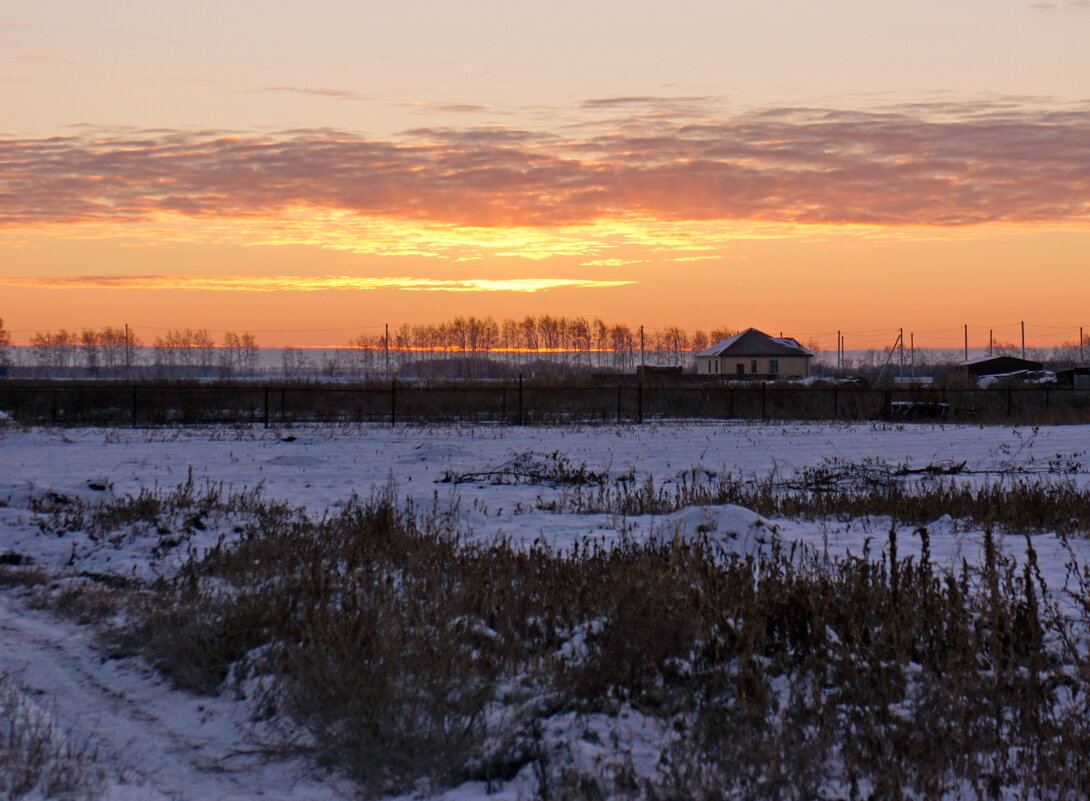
x,y
412,657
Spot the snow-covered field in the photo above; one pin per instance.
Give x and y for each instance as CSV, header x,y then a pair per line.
x,y
162,743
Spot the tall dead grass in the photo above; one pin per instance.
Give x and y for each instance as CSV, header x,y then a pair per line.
x,y
415,658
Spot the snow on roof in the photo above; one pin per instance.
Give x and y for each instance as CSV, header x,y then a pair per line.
x,y
752,342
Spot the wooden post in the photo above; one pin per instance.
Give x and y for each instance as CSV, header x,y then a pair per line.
x,y
966,342
1023,339
265,409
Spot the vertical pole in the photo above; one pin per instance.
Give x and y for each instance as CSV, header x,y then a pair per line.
x,y
1023,339
966,342
912,352
134,405
991,342
265,409
521,420
393,402
901,340
643,351
387,350
839,364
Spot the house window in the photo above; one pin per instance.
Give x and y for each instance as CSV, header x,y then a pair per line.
x,y
773,366
753,366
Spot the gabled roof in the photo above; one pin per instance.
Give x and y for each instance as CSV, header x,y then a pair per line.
x,y
752,342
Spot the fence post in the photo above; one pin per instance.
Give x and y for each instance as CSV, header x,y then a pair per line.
x,y
393,401
639,401
134,405
265,409
521,420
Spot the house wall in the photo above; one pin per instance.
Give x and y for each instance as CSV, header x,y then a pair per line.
x,y
727,366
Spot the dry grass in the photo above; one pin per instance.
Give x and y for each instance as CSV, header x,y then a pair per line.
x,y
1009,501
413,657
37,761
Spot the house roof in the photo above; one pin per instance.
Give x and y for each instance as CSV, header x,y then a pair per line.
x,y
752,342
998,360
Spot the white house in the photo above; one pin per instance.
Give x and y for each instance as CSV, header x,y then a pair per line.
x,y
754,355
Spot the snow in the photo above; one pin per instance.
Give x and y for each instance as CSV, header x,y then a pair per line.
x,y
166,744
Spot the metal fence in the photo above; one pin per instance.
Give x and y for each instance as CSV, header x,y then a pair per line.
x,y
520,403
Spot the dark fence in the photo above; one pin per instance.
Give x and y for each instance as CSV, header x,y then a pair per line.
x,y
521,403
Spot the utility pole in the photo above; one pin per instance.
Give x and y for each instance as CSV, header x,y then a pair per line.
x,y
128,351
991,347
839,363
901,339
966,342
643,352
387,350
912,351
1023,339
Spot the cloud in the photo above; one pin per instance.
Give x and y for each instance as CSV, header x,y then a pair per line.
x,y
336,94
611,262
947,164
450,108
296,283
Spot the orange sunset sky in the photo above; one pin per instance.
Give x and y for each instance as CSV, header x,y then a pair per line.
x,y
313,170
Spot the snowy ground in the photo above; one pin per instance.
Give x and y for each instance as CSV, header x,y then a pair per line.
x,y
165,744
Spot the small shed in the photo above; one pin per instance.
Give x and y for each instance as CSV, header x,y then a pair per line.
x,y
998,365
754,355
1073,378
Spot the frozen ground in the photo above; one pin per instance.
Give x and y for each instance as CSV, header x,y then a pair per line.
x,y
166,744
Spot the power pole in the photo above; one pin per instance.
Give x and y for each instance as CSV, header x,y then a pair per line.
x,y
991,351
387,350
128,351
901,339
912,351
643,352
966,342
1023,339
839,363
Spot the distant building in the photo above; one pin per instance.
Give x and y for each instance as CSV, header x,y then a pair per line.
x,y
997,365
1073,378
754,355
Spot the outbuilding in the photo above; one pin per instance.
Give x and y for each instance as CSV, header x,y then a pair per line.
x,y
754,355
998,365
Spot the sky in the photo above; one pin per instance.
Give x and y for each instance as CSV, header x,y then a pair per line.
x,y
313,170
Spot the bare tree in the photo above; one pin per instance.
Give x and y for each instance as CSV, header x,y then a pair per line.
x,y
5,345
